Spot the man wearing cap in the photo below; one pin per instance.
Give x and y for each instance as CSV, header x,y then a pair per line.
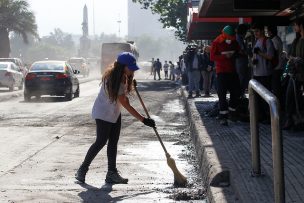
x,y
223,51
116,85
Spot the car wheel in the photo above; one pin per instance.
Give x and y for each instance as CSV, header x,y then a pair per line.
x,y
76,94
27,97
69,96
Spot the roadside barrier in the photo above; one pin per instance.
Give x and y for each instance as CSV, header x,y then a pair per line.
x,y
255,88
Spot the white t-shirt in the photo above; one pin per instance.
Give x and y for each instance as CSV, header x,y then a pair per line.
x,y
106,110
263,67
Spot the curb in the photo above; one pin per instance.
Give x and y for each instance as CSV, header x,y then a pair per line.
x,y
215,174
19,93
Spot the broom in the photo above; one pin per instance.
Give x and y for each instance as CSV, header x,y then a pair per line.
x,y
179,179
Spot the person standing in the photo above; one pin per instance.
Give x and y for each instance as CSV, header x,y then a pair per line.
x,y
193,63
223,51
178,73
207,68
117,83
152,66
157,69
262,71
241,61
278,69
172,71
296,74
184,71
166,68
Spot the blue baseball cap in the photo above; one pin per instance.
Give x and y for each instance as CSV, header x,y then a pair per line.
x,y
128,59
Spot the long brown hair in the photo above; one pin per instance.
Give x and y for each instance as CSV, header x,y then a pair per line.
x,y
112,80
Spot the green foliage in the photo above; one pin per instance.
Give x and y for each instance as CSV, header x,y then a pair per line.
x,y
58,45
59,38
15,17
173,13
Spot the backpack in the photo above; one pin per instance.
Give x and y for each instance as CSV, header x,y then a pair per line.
x,y
275,59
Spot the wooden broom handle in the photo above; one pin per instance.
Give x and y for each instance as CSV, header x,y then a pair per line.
x,y
147,113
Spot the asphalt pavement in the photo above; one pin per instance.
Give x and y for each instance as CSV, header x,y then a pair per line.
x,y
44,141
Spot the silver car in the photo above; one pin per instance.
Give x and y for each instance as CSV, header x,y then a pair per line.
x,y
18,62
11,76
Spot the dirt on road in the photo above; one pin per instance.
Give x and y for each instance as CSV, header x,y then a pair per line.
x,y
43,143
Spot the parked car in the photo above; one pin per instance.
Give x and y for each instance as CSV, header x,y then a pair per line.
x,y
51,78
80,64
10,76
18,62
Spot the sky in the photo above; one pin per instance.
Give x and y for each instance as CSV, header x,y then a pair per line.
x,y
67,15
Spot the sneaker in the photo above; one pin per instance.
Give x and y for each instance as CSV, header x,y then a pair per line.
x,y
114,177
80,174
190,96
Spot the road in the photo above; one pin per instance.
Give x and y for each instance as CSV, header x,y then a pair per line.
x,y
44,141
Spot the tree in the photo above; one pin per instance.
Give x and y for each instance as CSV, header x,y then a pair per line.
x,y
173,13
58,46
15,17
19,48
60,38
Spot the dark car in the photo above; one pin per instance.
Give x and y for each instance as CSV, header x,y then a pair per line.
x,y
51,78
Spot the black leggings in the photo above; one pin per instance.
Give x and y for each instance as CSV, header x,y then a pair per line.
x,y
105,131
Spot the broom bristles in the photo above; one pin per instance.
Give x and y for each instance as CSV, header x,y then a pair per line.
x,y
179,179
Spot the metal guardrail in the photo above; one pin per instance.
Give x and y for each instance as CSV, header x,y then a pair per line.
x,y
255,88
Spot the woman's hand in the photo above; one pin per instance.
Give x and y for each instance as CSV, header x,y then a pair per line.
x,y
149,122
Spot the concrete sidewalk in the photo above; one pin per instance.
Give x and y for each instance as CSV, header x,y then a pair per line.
x,y
224,154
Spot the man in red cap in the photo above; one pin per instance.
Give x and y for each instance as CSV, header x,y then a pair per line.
x,y
223,51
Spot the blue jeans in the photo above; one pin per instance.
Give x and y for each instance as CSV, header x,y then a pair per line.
x,y
194,79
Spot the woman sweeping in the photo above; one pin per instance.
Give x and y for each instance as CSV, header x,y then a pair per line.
x,y
116,84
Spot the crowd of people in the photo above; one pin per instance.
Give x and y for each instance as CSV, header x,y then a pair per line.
x,y
243,53
171,71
